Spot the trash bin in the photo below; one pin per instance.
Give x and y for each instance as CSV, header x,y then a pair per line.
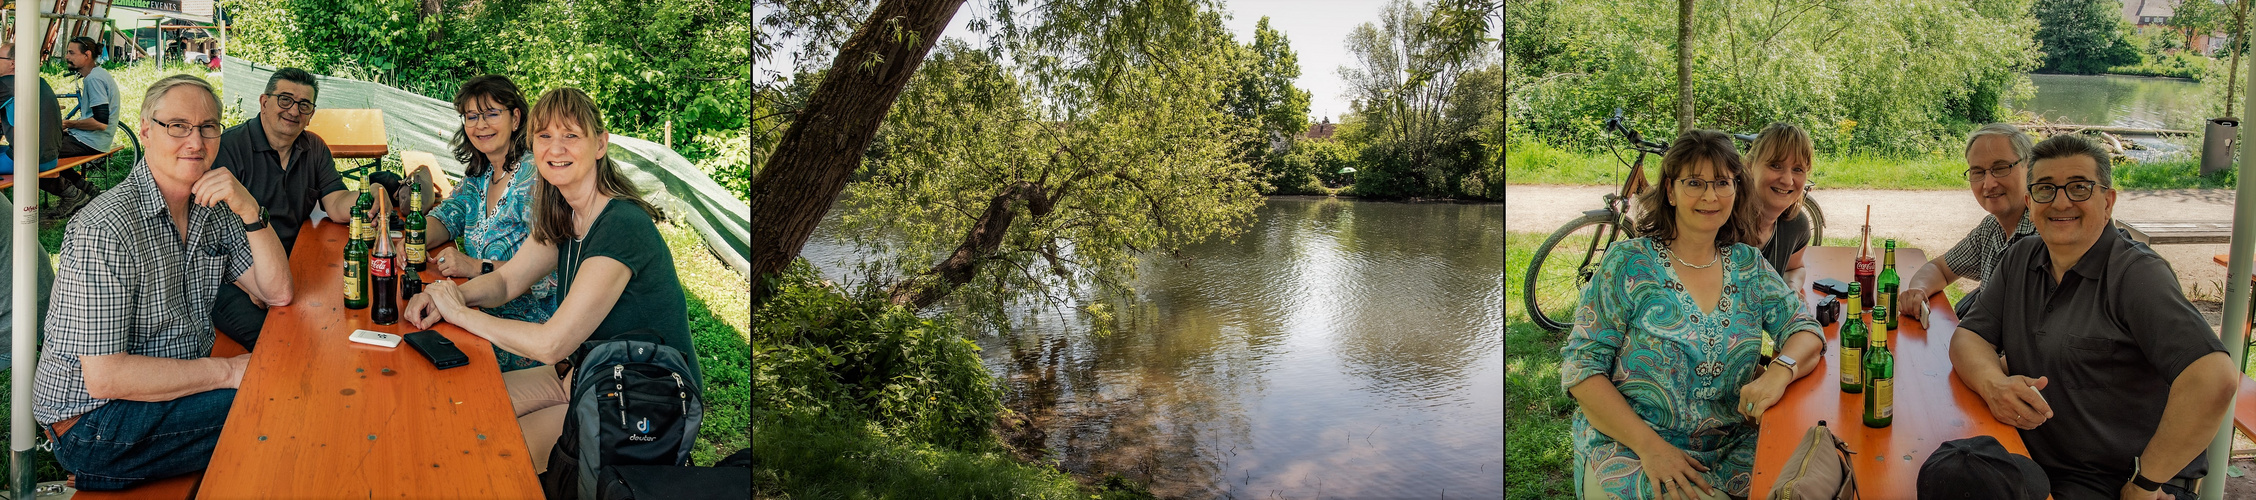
x,y
2217,144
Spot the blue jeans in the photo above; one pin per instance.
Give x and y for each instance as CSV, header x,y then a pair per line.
x,y
126,443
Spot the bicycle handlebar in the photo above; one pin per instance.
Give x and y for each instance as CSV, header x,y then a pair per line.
x,y
1616,124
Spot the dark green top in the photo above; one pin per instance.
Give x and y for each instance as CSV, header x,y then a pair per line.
x,y
653,298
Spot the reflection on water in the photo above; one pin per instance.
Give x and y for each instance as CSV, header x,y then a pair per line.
x,y
2121,101
1336,348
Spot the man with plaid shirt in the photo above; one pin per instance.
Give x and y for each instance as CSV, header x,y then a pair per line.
x,y
127,390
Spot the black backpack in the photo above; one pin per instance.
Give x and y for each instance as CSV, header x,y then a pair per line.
x,y
728,479
634,402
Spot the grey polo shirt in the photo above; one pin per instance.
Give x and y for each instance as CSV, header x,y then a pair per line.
x,y
129,284
2109,381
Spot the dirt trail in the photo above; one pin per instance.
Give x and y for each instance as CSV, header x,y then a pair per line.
x,y
1932,220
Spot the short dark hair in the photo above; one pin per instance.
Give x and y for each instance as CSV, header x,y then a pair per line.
x,y
297,76
88,45
505,93
1658,221
2066,145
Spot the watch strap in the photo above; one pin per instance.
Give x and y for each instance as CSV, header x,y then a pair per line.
x,y
2138,477
254,226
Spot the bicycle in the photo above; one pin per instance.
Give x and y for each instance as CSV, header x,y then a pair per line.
x,y
1554,287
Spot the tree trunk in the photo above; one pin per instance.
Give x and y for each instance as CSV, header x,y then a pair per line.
x,y
2232,74
980,242
825,143
1683,66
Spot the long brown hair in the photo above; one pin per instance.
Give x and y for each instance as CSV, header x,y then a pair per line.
x,y
1657,217
552,217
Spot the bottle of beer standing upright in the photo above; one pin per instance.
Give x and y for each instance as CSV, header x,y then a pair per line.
x,y
415,253
1879,382
1853,335
1889,284
356,267
384,287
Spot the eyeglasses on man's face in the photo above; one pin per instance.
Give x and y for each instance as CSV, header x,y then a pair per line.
x,y
2043,192
285,102
1974,174
181,128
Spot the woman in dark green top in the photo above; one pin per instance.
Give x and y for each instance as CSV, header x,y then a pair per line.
x,y
600,238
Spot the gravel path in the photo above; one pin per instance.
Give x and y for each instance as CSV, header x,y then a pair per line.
x,y
1932,220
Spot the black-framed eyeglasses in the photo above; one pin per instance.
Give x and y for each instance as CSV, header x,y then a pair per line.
x,y
287,101
209,130
1974,174
2042,192
483,115
1721,186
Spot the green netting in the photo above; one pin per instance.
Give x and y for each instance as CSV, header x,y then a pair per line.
x,y
413,122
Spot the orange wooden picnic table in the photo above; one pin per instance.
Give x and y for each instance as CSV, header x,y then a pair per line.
x,y
1932,405
351,133
319,416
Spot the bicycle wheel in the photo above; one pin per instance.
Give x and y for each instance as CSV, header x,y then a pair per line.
x,y
1560,268
1817,221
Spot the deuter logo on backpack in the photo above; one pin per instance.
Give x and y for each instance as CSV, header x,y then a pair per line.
x,y
634,402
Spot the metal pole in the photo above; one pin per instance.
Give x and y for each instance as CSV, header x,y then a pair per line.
x,y
2236,296
25,281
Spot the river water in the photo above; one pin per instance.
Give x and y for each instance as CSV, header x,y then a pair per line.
x,y
2122,101
1336,348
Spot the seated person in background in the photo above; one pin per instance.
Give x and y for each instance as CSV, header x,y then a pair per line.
x,y
89,133
289,171
1996,166
2117,384
50,111
1665,355
489,220
593,230
127,390
1780,173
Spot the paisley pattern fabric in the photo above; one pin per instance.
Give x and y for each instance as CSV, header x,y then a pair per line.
x,y
497,237
1680,368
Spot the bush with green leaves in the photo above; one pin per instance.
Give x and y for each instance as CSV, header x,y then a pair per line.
x,y
1867,76
818,351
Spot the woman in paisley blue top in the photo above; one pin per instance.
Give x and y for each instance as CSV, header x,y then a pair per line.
x,y
1666,353
488,222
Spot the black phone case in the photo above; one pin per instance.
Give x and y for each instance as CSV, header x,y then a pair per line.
x,y
1833,287
437,348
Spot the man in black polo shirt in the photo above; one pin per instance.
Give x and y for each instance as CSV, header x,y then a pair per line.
x,y
2116,383
288,170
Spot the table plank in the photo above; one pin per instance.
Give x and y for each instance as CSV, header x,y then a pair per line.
x,y
351,133
319,416
2171,232
1932,405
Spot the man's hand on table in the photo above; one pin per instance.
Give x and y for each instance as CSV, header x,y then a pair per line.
x,y
1764,391
2014,400
1912,302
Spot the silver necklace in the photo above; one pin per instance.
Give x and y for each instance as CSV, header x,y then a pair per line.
x,y
1711,262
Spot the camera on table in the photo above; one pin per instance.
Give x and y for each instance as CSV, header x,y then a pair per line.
x,y
1828,311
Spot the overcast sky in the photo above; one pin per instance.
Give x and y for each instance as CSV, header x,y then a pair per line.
x,y
1317,30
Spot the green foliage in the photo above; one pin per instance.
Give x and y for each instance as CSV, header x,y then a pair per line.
x,y
1148,166
820,352
1306,168
1264,93
2083,36
1887,77
809,457
1423,110
647,62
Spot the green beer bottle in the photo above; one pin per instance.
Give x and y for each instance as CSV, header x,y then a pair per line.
x,y
1889,284
415,227
1879,383
1853,334
356,268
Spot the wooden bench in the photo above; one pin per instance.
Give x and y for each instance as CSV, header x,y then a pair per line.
x,y
9,180
2172,232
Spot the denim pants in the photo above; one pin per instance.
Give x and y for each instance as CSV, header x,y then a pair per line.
x,y
126,443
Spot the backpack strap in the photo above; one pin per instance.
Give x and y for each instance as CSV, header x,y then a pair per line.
x,y
579,356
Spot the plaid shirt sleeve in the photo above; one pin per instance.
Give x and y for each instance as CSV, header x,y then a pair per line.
x,y
1969,258
236,243
92,306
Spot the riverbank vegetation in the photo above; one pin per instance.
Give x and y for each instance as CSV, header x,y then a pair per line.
x,y
1534,162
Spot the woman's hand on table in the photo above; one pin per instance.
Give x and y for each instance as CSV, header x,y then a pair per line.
x,y
438,300
1670,470
2014,400
454,263
1764,391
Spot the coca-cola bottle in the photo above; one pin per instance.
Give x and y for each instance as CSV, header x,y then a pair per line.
x,y
1867,270
383,271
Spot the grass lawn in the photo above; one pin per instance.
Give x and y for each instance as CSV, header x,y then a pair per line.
x,y
1535,163
1537,412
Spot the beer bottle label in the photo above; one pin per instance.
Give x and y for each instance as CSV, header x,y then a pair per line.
x,y
1883,397
352,280
1852,366
414,249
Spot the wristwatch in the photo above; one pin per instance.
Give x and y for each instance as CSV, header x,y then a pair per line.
x,y
2138,477
254,226
1783,359
485,267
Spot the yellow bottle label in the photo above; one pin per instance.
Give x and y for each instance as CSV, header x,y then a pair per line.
x,y
1852,365
1883,397
415,253
352,280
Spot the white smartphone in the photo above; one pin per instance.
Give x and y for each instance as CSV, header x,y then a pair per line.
x,y
378,339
